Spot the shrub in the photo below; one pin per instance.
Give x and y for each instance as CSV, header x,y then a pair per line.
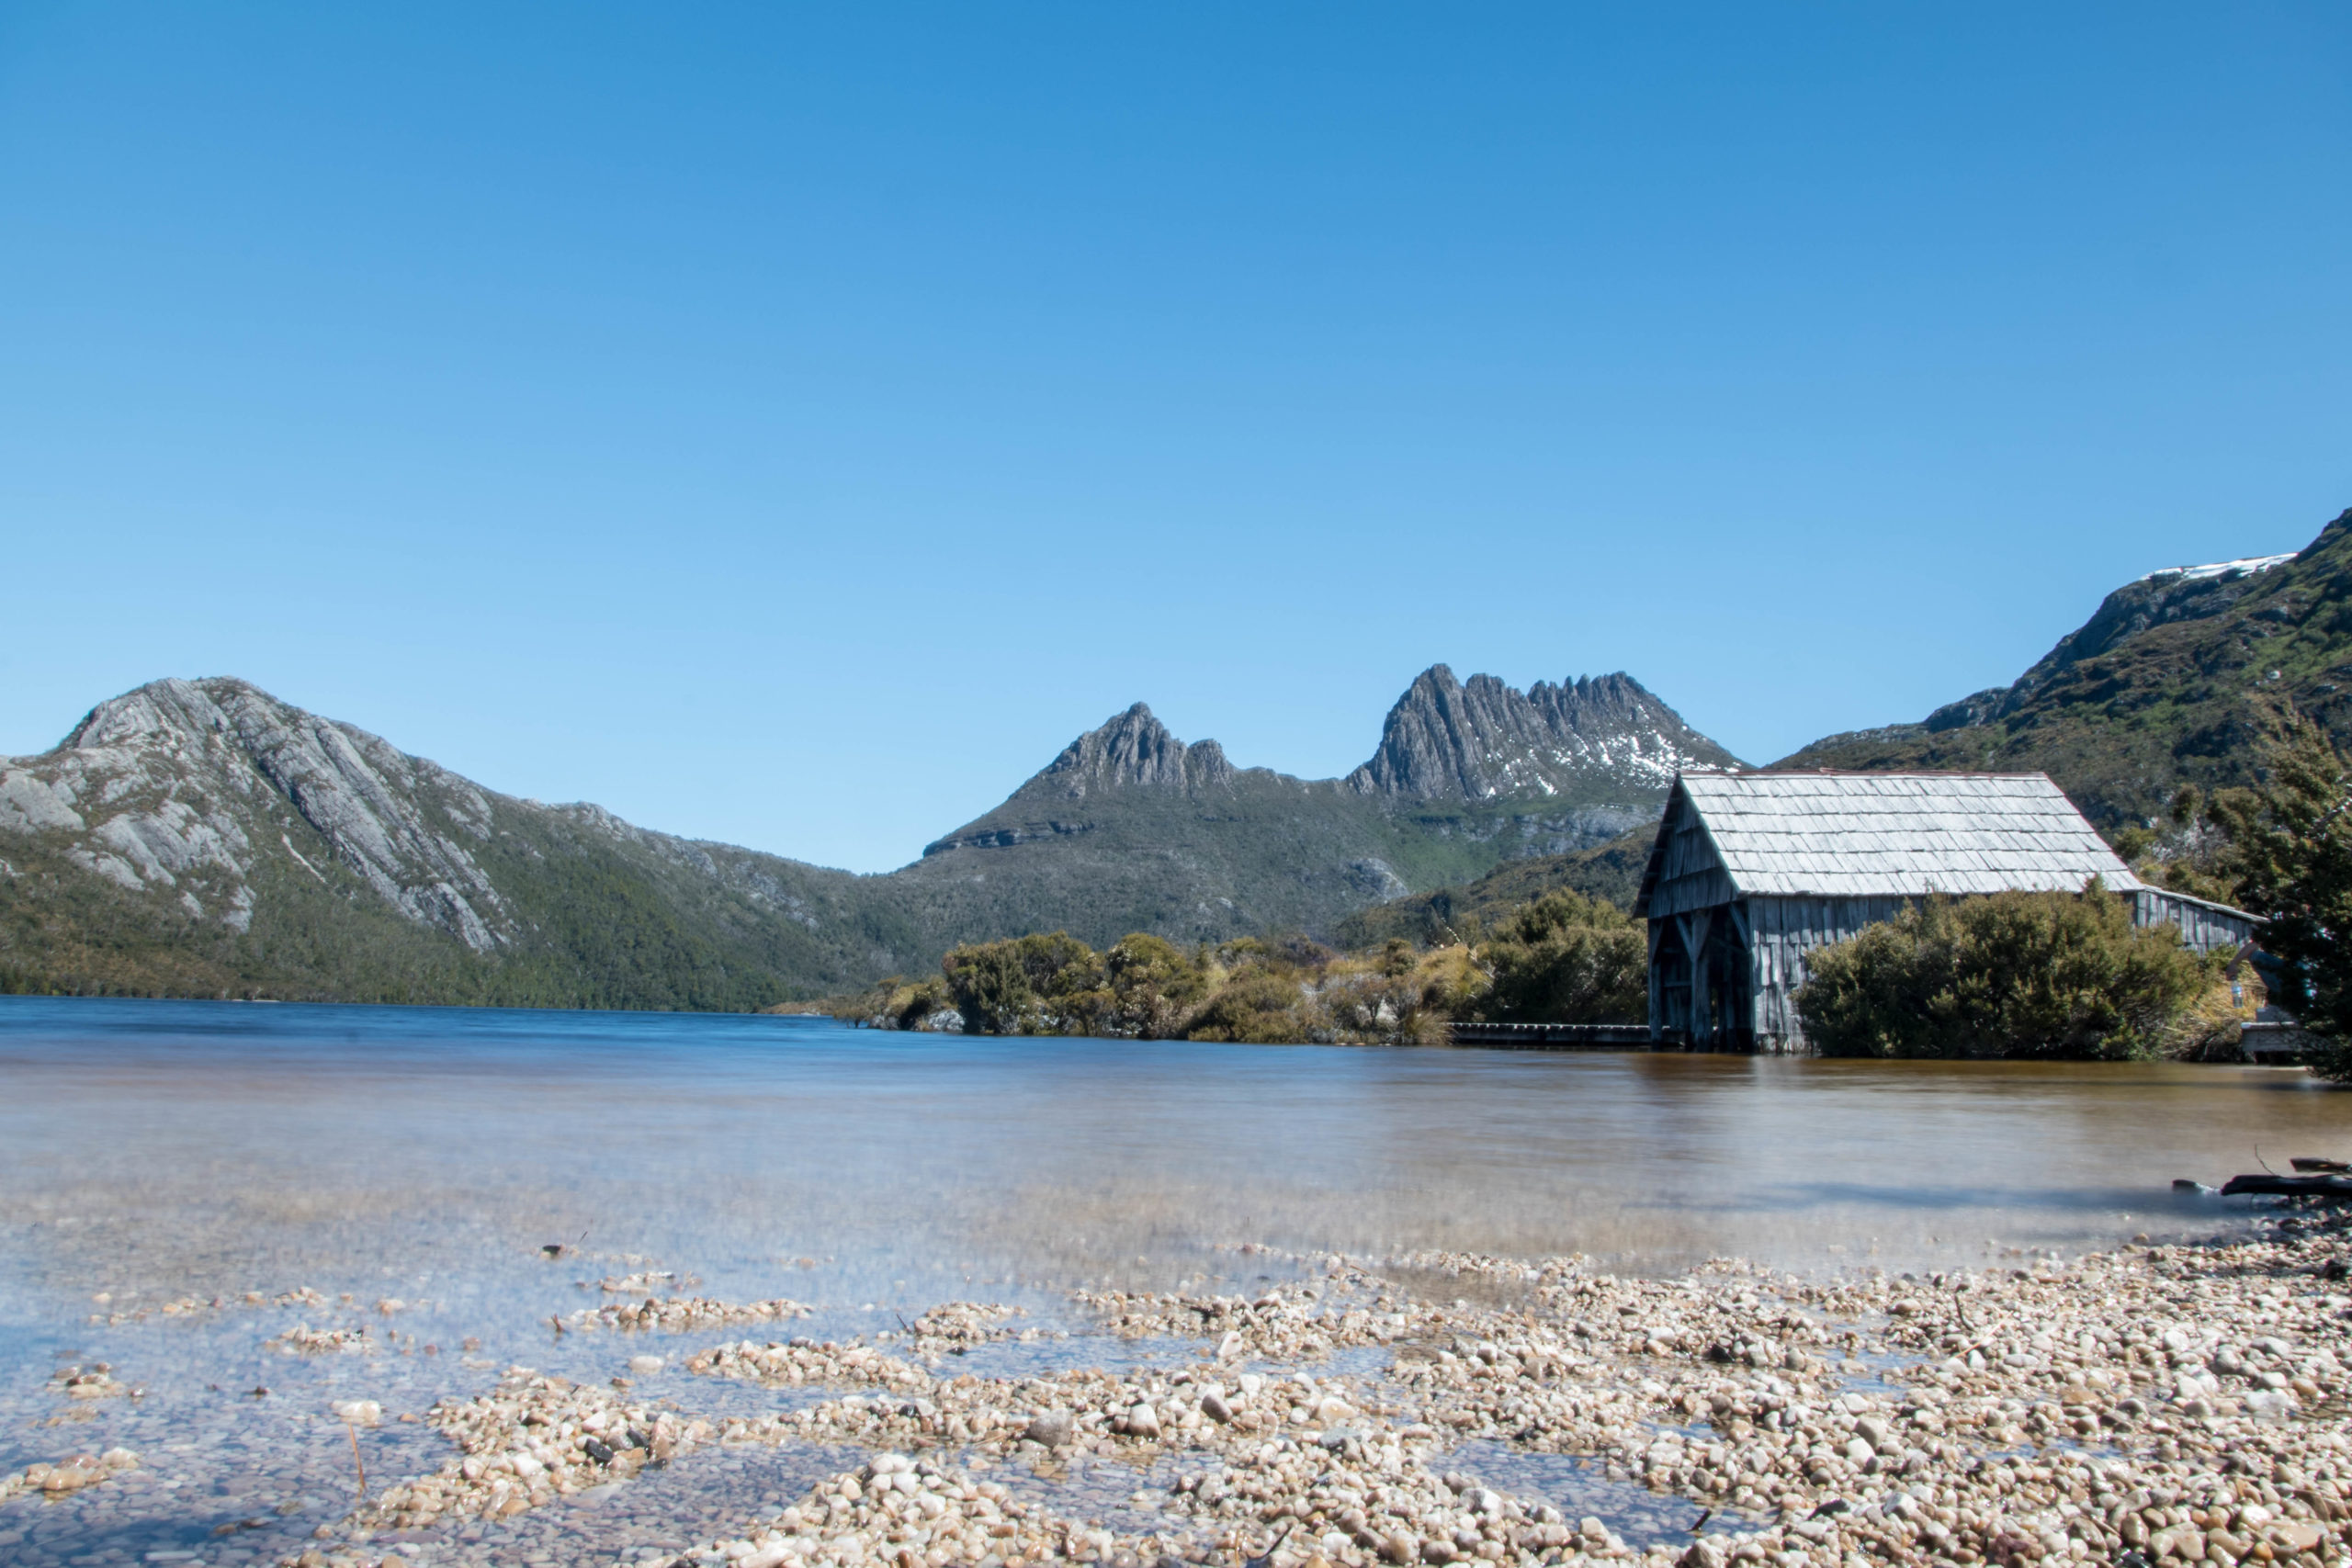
x,y
2290,856
2006,974
1152,984
2329,1056
1261,1008
1565,959
1022,985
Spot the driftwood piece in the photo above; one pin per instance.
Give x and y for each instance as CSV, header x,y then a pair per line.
x,y
2313,1167
2266,1186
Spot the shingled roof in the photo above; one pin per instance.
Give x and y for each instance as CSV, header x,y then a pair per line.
x,y
1881,835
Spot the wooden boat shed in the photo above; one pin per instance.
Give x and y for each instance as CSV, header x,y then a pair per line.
x,y
1750,872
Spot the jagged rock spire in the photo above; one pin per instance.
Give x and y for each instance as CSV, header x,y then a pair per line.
x,y
1133,749
1450,740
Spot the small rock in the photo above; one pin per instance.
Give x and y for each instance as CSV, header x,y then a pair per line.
x,y
2269,1405
2299,1535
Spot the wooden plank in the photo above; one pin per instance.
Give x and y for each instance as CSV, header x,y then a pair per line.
x,y
1553,1036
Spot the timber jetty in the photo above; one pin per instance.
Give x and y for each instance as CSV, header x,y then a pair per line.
x,y
1558,1036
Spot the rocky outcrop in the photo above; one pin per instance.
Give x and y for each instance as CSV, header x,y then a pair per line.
x,y
1484,740
178,786
1133,751
2160,599
1130,754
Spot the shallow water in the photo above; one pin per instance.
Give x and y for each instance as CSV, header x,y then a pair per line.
x,y
150,1151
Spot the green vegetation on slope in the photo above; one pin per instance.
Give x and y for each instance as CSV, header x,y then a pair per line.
x,y
2166,685
1611,871
1260,853
599,922
66,932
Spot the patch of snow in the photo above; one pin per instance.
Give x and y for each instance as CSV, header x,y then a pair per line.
x,y
2250,566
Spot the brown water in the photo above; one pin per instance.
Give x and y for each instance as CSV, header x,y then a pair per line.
x,y
153,1151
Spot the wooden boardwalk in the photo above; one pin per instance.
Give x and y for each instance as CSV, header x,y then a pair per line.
x,y
1554,1036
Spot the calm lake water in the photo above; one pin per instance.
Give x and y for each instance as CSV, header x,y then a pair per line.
x,y
150,1151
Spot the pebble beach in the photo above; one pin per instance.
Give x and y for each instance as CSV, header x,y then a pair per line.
x,y
2182,1402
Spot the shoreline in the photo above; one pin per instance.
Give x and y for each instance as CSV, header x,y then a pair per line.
x,y
2183,1401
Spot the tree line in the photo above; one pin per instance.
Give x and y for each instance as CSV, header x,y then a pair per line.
x,y
1561,957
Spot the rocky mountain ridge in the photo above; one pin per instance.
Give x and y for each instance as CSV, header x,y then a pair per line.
x,y
1130,829
203,836
1484,740
2172,680
190,777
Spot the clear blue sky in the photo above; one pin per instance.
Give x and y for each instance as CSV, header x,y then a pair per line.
x,y
792,425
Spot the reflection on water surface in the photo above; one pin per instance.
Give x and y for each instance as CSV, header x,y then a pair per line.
x,y
154,1152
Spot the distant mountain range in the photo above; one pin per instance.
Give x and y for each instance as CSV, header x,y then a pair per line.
x,y
203,838
2165,684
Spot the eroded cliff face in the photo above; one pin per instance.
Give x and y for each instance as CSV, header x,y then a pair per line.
x,y
1595,738
182,787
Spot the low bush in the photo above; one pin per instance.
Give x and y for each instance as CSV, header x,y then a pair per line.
x,y
1566,959
1026,985
2006,974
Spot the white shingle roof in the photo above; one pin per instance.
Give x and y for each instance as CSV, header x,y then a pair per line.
x,y
1878,835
